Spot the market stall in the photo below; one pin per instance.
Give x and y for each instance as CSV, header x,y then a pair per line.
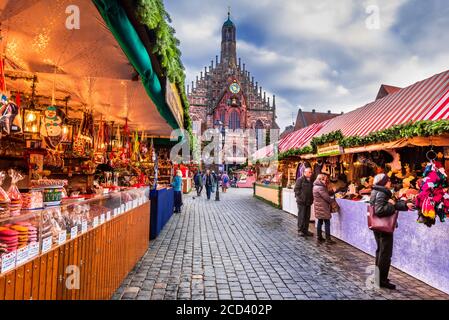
x,y
405,136
76,144
269,193
162,201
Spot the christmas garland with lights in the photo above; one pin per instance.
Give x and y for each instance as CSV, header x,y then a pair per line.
x,y
424,128
152,13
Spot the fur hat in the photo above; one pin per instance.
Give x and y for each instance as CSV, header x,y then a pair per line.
x,y
381,180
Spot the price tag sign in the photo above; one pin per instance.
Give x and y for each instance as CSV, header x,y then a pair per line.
x,y
115,212
46,244
102,218
74,232
135,203
84,226
62,237
123,209
22,255
8,261
108,215
34,250
95,223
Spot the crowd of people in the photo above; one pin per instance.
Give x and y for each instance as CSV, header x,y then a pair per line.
x,y
211,181
315,189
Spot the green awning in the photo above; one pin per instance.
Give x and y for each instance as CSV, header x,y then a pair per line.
x,y
118,23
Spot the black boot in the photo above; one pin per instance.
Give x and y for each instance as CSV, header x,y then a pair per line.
x,y
329,240
319,237
387,285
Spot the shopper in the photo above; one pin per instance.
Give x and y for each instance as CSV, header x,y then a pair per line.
x,y
322,203
385,206
224,182
177,186
198,180
209,182
304,199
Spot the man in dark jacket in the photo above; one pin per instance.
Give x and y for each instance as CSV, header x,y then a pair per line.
x,y
198,180
209,182
385,206
304,200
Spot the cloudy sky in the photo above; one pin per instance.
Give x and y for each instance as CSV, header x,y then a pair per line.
x,y
319,54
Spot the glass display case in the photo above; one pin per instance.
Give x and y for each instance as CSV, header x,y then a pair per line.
x,y
36,232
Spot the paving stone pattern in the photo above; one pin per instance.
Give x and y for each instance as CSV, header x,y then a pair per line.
x,y
243,249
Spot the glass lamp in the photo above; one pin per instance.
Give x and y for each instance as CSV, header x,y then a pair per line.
x,y
31,121
67,134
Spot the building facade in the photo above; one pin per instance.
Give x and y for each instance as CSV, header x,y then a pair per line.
x,y
226,91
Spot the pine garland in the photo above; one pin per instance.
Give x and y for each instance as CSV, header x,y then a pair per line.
x,y
152,13
424,128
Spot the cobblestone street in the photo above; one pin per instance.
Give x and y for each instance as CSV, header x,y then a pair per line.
x,y
242,248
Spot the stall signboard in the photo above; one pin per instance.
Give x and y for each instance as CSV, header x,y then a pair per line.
x,y
34,250
22,255
173,100
8,261
329,150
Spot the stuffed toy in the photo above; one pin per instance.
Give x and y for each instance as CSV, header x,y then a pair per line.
x,y
433,199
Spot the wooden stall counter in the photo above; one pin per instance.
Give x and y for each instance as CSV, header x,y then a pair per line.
x,y
90,266
271,194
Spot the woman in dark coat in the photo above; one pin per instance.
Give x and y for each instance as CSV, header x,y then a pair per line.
x,y
385,206
322,204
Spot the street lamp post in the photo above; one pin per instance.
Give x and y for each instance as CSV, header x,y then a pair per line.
x,y
220,128
223,136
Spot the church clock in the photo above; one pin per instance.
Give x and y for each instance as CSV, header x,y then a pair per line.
x,y
234,88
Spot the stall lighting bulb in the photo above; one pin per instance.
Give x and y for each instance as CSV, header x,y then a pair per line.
x,y
31,117
34,128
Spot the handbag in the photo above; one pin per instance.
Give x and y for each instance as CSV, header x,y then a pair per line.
x,y
382,224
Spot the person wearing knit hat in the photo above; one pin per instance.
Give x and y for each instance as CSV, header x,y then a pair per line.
x,y
385,206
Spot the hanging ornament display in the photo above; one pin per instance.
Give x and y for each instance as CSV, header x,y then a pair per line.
x,y
51,126
10,119
136,147
86,129
143,145
433,198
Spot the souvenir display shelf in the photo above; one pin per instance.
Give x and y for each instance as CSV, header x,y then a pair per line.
x,y
84,233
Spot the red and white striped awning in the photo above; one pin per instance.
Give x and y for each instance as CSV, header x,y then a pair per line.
x,y
295,140
300,138
424,100
264,152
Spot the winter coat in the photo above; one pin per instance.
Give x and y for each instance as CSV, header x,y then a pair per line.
x,y
211,181
321,201
177,183
382,208
304,191
225,180
198,180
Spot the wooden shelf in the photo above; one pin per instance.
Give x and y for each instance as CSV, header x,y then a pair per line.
x,y
23,158
73,174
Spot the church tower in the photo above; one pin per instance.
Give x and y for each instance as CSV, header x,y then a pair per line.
x,y
226,91
228,43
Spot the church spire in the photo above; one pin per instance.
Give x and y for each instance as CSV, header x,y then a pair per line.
x,y
228,42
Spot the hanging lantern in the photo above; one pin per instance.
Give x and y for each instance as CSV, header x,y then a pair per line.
x,y
31,121
67,134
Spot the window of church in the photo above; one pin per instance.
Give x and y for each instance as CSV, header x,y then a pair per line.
x,y
234,120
